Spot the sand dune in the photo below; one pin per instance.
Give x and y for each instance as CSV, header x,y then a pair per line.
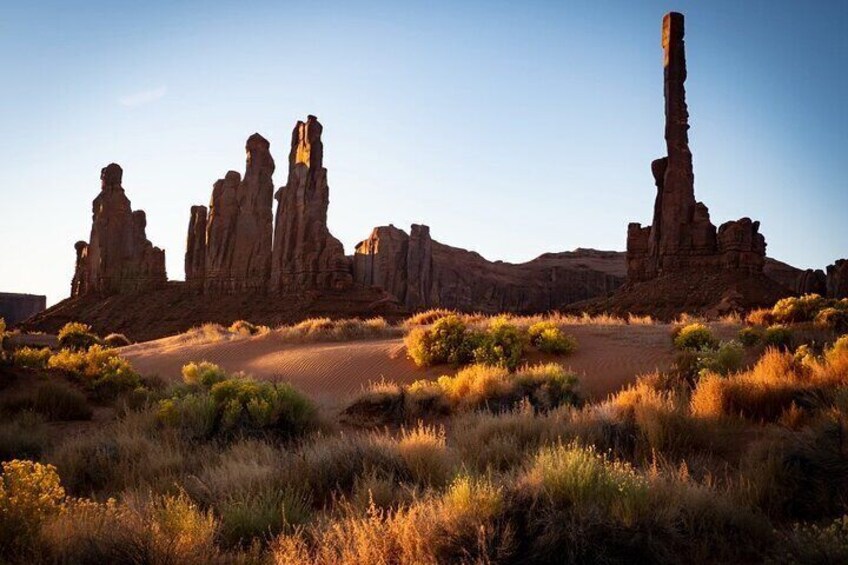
x,y
608,357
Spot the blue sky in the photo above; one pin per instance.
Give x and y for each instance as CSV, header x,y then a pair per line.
x,y
511,128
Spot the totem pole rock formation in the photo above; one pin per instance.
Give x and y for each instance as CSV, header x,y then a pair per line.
x,y
118,257
682,237
423,273
837,279
306,255
236,253
195,257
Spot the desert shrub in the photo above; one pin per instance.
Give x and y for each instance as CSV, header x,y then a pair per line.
x,y
2,333
725,359
100,369
23,437
694,336
204,374
262,514
31,358
447,341
778,336
116,340
799,475
243,327
502,345
811,543
582,478
797,309
760,317
835,319
750,336
424,451
140,529
60,401
236,405
326,329
428,317
30,493
77,336
547,337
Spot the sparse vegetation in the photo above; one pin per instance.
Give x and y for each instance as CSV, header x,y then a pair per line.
x,y
100,369
547,337
31,358
694,336
116,340
77,336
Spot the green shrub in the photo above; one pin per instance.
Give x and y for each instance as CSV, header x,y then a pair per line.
x,y
204,374
60,401
695,336
30,493
31,358
778,336
77,336
100,369
547,337
797,309
835,319
237,405
751,336
502,345
726,359
116,340
447,341
260,514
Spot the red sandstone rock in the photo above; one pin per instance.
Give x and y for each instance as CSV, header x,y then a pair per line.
x,y
811,282
195,257
837,279
118,257
239,228
422,273
682,237
306,255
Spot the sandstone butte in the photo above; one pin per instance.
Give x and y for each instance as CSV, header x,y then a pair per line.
x,y
243,261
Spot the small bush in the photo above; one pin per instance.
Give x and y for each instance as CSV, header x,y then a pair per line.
x,y
835,319
726,359
243,327
77,336
760,317
30,493
502,345
447,341
797,309
428,317
204,374
60,401
695,336
100,369
778,336
31,358
750,336
116,340
548,338
236,405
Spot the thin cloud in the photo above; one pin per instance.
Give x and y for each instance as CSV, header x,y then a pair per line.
x,y
143,97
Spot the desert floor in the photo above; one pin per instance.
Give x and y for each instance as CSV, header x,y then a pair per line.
x,y
607,358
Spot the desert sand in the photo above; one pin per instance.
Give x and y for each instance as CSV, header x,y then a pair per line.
x,y
607,358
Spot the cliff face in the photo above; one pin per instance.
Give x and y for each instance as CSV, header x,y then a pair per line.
x,y
423,273
837,279
237,249
118,257
682,237
16,307
306,255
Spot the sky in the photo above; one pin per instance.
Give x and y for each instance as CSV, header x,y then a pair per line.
x,y
510,128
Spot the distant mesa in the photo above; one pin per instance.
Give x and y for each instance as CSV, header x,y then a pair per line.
x,y
243,260
15,307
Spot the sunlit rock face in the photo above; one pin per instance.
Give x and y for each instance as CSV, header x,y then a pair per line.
x,y
306,255
423,273
682,236
118,256
236,253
